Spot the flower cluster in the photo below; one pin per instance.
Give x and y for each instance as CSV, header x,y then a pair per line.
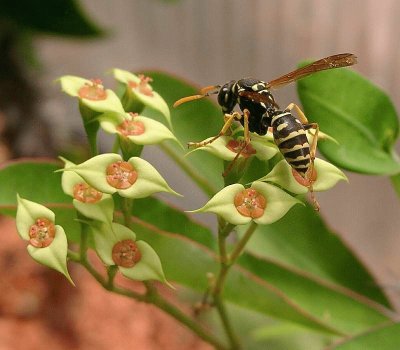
x,y
270,197
95,184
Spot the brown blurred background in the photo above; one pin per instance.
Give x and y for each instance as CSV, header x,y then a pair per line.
x,y
213,41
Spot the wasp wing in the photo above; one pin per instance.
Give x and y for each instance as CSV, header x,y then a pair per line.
x,y
330,62
258,97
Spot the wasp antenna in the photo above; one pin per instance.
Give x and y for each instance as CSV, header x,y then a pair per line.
x,y
205,90
187,99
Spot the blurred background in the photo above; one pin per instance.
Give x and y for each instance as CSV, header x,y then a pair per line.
x,y
206,42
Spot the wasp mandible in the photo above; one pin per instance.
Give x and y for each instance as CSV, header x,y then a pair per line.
x,y
260,112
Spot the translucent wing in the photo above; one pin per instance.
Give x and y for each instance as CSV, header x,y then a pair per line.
x,y
335,61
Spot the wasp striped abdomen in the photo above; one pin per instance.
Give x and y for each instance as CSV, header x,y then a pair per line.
x,y
290,137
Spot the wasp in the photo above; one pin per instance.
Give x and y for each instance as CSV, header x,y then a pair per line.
x,y
260,112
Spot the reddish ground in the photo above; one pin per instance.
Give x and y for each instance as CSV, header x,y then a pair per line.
x,y
39,310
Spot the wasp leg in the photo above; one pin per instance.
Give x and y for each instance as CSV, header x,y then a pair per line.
x,y
313,149
246,141
228,120
310,172
300,113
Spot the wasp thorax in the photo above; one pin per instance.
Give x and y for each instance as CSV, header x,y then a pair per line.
x,y
126,253
93,91
42,233
250,203
131,127
85,193
121,175
142,86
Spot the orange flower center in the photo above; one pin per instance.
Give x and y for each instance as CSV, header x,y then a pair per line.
x,y
250,203
86,194
131,127
126,253
305,181
93,91
237,146
42,233
121,175
142,86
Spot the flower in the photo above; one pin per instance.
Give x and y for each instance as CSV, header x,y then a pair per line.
x,y
263,203
86,199
108,173
138,129
138,90
116,245
326,176
227,147
47,242
91,94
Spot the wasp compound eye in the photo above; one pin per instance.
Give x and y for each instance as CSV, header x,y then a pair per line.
x,y
227,96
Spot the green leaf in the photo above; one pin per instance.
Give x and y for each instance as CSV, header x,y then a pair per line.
x,y
167,218
62,17
36,180
358,114
194,121
33,179
335,312
302,241
382,338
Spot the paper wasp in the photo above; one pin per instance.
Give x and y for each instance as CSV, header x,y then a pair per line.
x,y
260,112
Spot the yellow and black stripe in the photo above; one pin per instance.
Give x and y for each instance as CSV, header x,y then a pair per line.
x,y
290,137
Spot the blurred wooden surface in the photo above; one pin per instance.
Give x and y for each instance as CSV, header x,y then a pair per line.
x,y
213,41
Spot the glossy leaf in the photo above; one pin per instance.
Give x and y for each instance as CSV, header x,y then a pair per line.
x,y
193,121
36,180
302,241
382,338
285,294
276,289
358,114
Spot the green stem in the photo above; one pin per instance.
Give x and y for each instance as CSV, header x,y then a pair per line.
x,y
201,181
226,263
115,147
151,297
126,210
220,306
223,233
242,243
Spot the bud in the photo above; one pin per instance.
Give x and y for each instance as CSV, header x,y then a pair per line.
x,y
325,176
116,245
226,148
108,173
136,128
91,94
263,203
139,91
90,202
47,242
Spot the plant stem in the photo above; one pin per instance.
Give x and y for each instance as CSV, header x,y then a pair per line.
x,y
126,210
151,297
242,243
226,263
